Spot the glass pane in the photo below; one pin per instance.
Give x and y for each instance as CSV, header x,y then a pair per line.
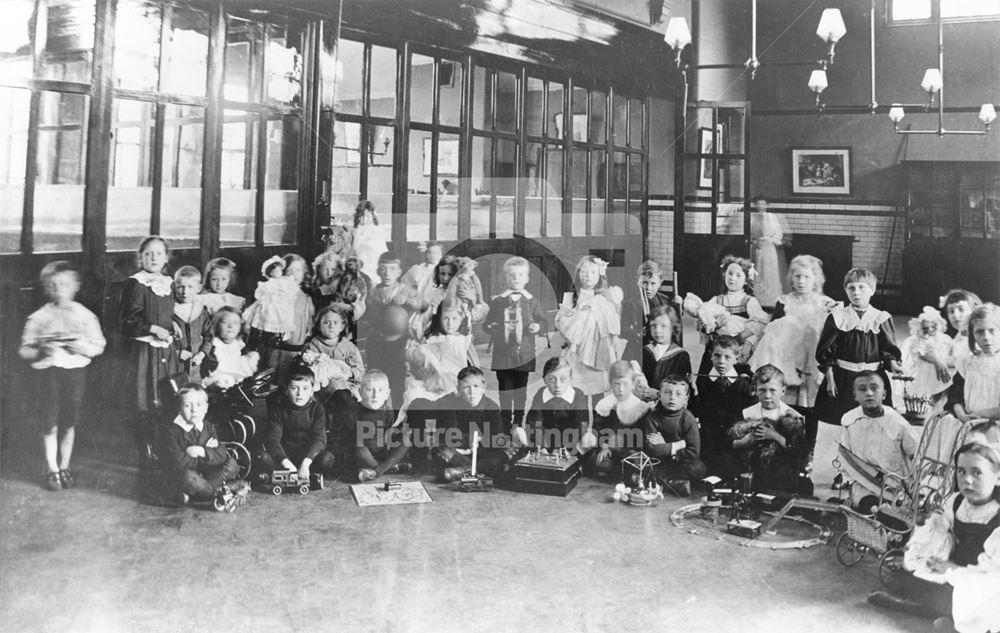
x,y
447,187
418,200
59,183
534,101
242,81
180,197
730,130
381,149
281,186
450,92
137,45
421,89
345,179
130,179
555,123
619,122
348,72
911,9
15,40
992,204
506,102
383,83
186,66
69,39
968,8
553,190
635,122
480,101
579,109
598,108
534,182
598,187
505,186
14,105
239,179
578,191
482,186
284,65
635,193
619,192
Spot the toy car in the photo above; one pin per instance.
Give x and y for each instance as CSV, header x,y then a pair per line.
x,y
475,483
282,480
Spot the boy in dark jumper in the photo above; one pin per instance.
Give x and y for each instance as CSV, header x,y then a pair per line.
x,y
296,429
463,413
195,460
366,428
672,437
723,393
560,415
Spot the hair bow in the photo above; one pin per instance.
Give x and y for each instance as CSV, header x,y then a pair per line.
x,y
942,300
602,266
752,273
271,261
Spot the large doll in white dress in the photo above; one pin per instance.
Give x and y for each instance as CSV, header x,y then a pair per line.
x,y
790,339
927,340
368,239
590,321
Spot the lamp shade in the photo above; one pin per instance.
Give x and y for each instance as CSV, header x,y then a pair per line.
x,y
987,113
817,81
896,113
932,81
678,34
831,26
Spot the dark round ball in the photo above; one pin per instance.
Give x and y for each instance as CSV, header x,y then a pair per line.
x,y
393,321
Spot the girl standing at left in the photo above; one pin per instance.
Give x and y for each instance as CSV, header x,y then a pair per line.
x,y
145,317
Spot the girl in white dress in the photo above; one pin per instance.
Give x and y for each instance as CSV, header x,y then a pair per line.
x,y
768,240
368,240
978,375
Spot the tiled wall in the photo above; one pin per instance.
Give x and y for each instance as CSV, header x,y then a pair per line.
x,y
871,224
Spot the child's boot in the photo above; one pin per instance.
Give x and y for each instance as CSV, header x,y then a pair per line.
x,y
66,477
53,481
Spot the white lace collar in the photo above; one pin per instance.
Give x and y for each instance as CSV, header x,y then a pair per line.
x,y
523,293
847,319
161,285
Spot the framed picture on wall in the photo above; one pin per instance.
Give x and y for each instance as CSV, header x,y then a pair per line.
x,y
821,171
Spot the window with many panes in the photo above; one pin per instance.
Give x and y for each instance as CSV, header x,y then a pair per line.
x,y
46,55
903,11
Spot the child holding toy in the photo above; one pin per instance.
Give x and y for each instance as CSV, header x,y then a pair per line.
x,y
672,437
335,361
560,415
953,559
368,239
723,393
771,439
303,318
734,313
146,320
590,321
365,427
271,318
220,279
60,339
195,461
296,429
854,339
514,319
618,419
448,344
192,321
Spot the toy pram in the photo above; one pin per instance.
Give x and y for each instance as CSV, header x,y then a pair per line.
x,y
903,502
228,410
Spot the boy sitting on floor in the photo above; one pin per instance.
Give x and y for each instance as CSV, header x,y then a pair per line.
x,y
195,460
366,426
560,415
672,437
296,429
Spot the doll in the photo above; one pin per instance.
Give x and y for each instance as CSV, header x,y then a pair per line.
x,y
271,316
927,336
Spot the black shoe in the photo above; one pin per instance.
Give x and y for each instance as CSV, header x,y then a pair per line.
x,y
53,481
66,477
886,600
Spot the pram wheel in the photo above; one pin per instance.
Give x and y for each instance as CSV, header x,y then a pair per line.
x,y
890,568
849,551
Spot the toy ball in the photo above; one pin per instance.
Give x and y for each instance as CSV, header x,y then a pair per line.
x,y
620,488
393,321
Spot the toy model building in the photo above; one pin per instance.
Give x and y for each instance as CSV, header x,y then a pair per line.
x,y
544,473
638,472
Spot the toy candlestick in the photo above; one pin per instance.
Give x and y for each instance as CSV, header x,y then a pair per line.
x,y
677,287
475,445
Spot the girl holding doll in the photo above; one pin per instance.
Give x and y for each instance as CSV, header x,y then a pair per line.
x,y
271,317
146,321
927,341
334,359
789,340
226,363
448,343
368,239
590,321
303,313
958,305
